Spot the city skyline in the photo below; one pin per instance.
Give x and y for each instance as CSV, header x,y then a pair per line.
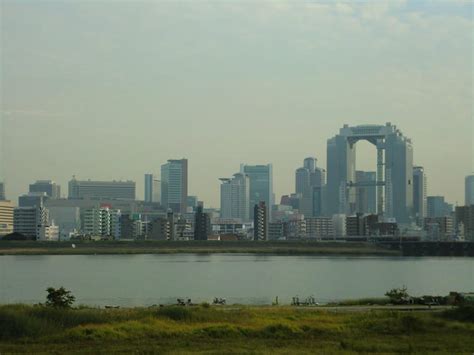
x,y
225,84
141,190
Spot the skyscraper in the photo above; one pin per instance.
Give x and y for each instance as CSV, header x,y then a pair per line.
x,y
309,184
261,184
420,207
235,194
124,190
49,187
469,190
152,188
394,170
202,224
174,185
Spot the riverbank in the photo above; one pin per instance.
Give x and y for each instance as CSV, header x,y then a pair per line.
x,y
199,247
233,329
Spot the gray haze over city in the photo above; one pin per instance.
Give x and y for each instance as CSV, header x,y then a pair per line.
x,y
112,90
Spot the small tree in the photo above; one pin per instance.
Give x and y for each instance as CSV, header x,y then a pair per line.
x,y
398,295
59,298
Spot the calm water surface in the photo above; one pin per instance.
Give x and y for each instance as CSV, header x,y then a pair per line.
x,y
132,280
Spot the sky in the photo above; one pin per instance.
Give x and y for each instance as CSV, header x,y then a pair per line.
x,y
112,89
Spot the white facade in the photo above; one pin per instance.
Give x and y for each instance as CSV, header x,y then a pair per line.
x,y
6,218
235,193
101,222
339,221
48,232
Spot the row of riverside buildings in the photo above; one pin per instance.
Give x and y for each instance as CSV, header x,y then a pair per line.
x,y
339,202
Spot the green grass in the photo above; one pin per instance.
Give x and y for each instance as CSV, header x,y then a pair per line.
x,y
215,330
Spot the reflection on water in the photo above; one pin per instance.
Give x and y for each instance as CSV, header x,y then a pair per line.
x,y
135,280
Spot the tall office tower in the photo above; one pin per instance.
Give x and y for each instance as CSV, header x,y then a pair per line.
x,y
437,207
310,164
309,183
49,187
152,188
120,190
33,199
394,170
235,194
365,192
420,205
260,221
6,218
469,190
202,224
2,191
261,184
174,185
29,220
304,188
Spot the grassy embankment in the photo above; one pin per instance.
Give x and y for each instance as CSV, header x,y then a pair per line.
x,y
173,329
169,247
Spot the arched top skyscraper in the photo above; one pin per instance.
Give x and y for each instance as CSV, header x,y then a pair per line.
x,y
394,170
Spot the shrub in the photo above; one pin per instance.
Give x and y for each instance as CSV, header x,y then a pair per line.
x,y
176,313
59,298
462,314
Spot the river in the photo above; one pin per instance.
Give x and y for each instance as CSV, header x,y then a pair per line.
x,y
142,280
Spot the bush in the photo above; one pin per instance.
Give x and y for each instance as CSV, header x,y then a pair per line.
x,y
176,313
462,314
59,298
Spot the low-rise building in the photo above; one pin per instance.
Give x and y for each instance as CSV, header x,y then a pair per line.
x,y
439,228
6,218
29,220
320,228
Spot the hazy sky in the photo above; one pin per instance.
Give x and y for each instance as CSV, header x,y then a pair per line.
x,y
111,90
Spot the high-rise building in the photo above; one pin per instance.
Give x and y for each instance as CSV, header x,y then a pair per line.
x,y
235,194
366,199
174,185
152,188
6,218
49,187
260,221
33,199
261,184
394,170
103,222
438,207
29,220
122,190
202,224
2,191
420,204
309,184
469,190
